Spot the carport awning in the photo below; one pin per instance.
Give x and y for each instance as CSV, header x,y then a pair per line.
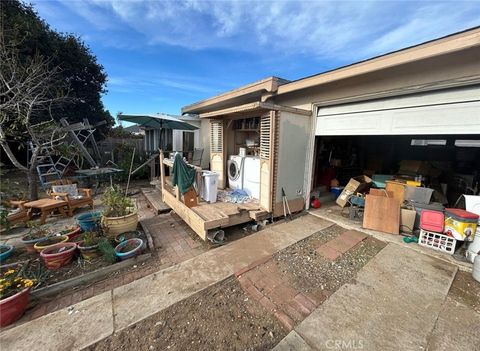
x,y
160,121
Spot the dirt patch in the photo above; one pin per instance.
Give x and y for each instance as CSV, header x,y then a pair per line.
x,y
311,272
466,290
221,317
36,268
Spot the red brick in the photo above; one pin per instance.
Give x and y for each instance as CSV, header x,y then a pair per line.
x,y
316,298
242,271
328,252
87,293
245,283
287,291
339,244
38,311
260,261
269,305
352,237
299,307
305,302
255,293
98,288
128,278
293,312
285,320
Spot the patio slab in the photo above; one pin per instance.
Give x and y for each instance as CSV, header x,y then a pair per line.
x,y
64,329
395,302
123,306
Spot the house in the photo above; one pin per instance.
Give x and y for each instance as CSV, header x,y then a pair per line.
x,y
420,103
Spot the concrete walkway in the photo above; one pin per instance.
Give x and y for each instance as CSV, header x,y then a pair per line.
x,y
91,320
394,304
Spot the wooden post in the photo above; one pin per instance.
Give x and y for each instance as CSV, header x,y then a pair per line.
x,y
162,174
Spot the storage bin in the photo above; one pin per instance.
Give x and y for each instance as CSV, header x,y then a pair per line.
x,y
336,190
437,241
418,195
436,206
432,221
460,224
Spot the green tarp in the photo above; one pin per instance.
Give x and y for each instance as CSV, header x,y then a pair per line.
x,y
183,174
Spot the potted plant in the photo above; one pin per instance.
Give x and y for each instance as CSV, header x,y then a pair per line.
x,y
14,295
129,248
50,241
5,251
72,232
89,245
120,214
35,234
58,255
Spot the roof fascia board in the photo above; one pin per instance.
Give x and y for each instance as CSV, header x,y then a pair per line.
x,y
269,84
423,51
254,106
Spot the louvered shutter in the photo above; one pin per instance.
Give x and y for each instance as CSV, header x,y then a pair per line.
x,y
217,149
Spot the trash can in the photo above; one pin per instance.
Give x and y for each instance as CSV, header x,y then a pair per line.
x,y
210,185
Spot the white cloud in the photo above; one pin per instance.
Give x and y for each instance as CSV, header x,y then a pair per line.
x,y
347,29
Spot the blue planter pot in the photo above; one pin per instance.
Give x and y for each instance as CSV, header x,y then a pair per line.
x,y
137,250
6,254
89,221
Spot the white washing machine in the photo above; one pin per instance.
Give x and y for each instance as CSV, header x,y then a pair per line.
x,y
235,168
251,176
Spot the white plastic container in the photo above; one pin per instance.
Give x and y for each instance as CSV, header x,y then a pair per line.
x,y
476,269
472,204
418,194
210,186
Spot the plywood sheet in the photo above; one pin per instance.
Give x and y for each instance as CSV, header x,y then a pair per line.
x,y
382,214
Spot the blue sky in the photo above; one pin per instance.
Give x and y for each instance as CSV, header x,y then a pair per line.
x,y
162,55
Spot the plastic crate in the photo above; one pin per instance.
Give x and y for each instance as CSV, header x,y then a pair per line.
x,y
437,241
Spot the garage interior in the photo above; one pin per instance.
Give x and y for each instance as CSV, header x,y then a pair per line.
x,y
450,163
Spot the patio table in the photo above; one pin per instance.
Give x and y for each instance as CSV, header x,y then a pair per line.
x,y
47,206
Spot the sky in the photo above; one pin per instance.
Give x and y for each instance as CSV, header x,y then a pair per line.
x,y
162,55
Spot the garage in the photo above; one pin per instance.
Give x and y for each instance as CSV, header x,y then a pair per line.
x,y
430,140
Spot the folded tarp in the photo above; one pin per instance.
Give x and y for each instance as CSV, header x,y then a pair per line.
x,y
183,174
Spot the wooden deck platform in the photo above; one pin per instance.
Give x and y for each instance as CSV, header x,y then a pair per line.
x,y
206,216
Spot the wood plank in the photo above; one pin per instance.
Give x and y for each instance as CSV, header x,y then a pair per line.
x,y
397,188
258,215
382,214
190,217
154,198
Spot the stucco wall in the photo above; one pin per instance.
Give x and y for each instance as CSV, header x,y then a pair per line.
x,y
427,72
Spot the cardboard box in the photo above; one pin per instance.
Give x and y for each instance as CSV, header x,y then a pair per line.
x,y
407,220
358,184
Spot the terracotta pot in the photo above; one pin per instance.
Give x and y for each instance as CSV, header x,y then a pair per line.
x,y
54,259
73,233
89,252
13,307
118,225
42,246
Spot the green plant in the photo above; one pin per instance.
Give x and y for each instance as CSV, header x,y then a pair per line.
x,y
116,204
12,282
90,239
4,223
108,252
36,231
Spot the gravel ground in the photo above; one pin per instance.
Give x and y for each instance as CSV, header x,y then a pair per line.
x,y
310,271
221,317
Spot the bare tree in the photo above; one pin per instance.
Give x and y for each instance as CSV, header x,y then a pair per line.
x,y
28,88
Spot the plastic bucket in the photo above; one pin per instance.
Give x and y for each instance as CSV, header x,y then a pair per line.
x,y
89,221
210,186
336,191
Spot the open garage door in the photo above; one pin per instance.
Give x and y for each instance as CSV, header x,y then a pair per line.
x,y
452,111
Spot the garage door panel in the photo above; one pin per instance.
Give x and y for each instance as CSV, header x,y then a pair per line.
x,y
440,118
